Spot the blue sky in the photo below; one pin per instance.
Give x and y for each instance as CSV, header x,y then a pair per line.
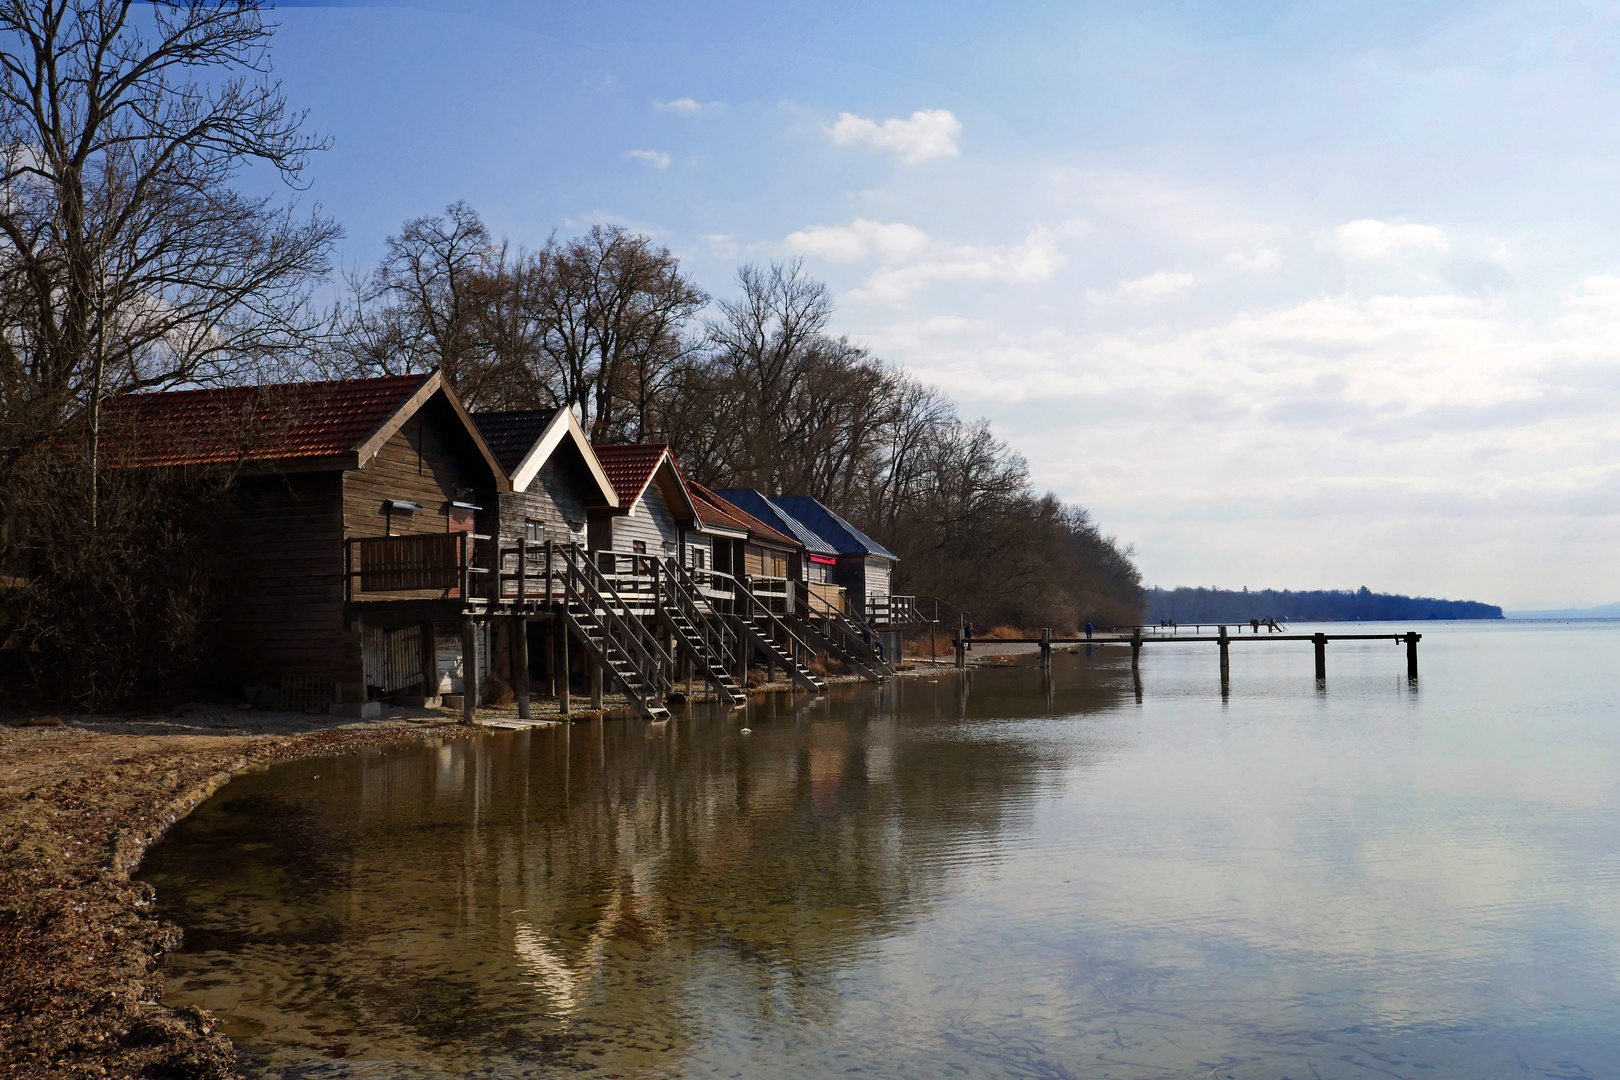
x,y
1289,295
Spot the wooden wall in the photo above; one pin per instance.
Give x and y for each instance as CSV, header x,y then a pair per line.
x,y
426,461
284,614
560,494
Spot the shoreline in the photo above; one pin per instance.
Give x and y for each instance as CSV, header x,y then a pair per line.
x,y
81,801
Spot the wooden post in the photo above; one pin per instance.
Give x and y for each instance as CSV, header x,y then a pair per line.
x,y
469,668
548,572
1319,642
520,654
430,661
961,649
1411,655
464,552
1046,647
559,634
598,677
1136,647
1226,658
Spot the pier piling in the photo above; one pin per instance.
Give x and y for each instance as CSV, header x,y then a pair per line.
x,y
1226,658
1411,655
1319,641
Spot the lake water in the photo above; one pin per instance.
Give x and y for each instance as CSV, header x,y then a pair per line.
x,y
990,875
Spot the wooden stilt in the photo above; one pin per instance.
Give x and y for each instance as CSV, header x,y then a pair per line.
x,y
1319,645
469,668
559,635
430,661
1411,655
520,660
1136,648
1046,647
1226,658
598,677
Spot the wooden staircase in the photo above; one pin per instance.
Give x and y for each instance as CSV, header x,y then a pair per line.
x,y
713,645
858,659
762,628
598,617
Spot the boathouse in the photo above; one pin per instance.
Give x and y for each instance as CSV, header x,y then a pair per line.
x,y
558,483
350,500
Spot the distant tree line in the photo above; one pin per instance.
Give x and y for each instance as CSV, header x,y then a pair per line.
x,y
1186,605
130,260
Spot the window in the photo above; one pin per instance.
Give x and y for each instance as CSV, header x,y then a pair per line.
x,y
698,558
534,531
639,547
576,526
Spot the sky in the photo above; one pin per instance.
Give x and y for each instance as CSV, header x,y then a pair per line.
x,y
1287,295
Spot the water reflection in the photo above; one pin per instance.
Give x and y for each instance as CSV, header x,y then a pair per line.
x,y
1001,873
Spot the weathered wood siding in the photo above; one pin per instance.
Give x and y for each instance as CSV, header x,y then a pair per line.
x,y
430,461
650,521
560,494
427,461
878,574
283,618
764,562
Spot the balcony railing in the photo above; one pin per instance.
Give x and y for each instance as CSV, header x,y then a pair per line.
x,y
892,610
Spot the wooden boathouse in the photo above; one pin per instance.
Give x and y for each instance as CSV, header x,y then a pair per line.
x,y
324,468
385,544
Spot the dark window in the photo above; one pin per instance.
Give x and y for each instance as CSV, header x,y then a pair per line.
x,y
535,531
639,547
697,558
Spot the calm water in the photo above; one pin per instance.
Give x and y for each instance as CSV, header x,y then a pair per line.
x,y
989,877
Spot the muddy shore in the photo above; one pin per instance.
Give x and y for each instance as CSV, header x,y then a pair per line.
x,y
81,799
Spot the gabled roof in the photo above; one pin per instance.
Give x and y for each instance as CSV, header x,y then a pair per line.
x,y
524,441
511,435
835,530
731,516
337,424
712,512
630,467
767,511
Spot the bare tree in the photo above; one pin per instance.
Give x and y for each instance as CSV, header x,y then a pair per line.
x,y
127,259
423,307
614,308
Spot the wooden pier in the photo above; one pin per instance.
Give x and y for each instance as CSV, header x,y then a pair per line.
x,y
1137,640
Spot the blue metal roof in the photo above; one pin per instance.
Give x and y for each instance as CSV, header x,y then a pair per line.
x,y
841,534
777,518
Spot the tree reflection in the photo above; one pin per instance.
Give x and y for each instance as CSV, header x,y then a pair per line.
x,y
614,889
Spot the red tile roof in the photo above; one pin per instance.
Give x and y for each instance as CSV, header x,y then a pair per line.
x,y
289,421
629,468
728,515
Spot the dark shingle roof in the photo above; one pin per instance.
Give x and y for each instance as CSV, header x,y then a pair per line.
x,y
281,422
511,435
767,511
829,526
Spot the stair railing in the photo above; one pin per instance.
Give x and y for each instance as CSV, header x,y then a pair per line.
x,y
587,583
682,590
750,604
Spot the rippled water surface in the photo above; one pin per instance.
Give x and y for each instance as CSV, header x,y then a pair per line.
x,y
995,875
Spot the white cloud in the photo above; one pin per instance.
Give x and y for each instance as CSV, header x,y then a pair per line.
x,y
930,133
1257,261
722,244
685,106
657,159
1153,289
1036,259
894,242
1369,238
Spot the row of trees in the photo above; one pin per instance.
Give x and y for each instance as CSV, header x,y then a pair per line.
x,y
752,390
130,260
